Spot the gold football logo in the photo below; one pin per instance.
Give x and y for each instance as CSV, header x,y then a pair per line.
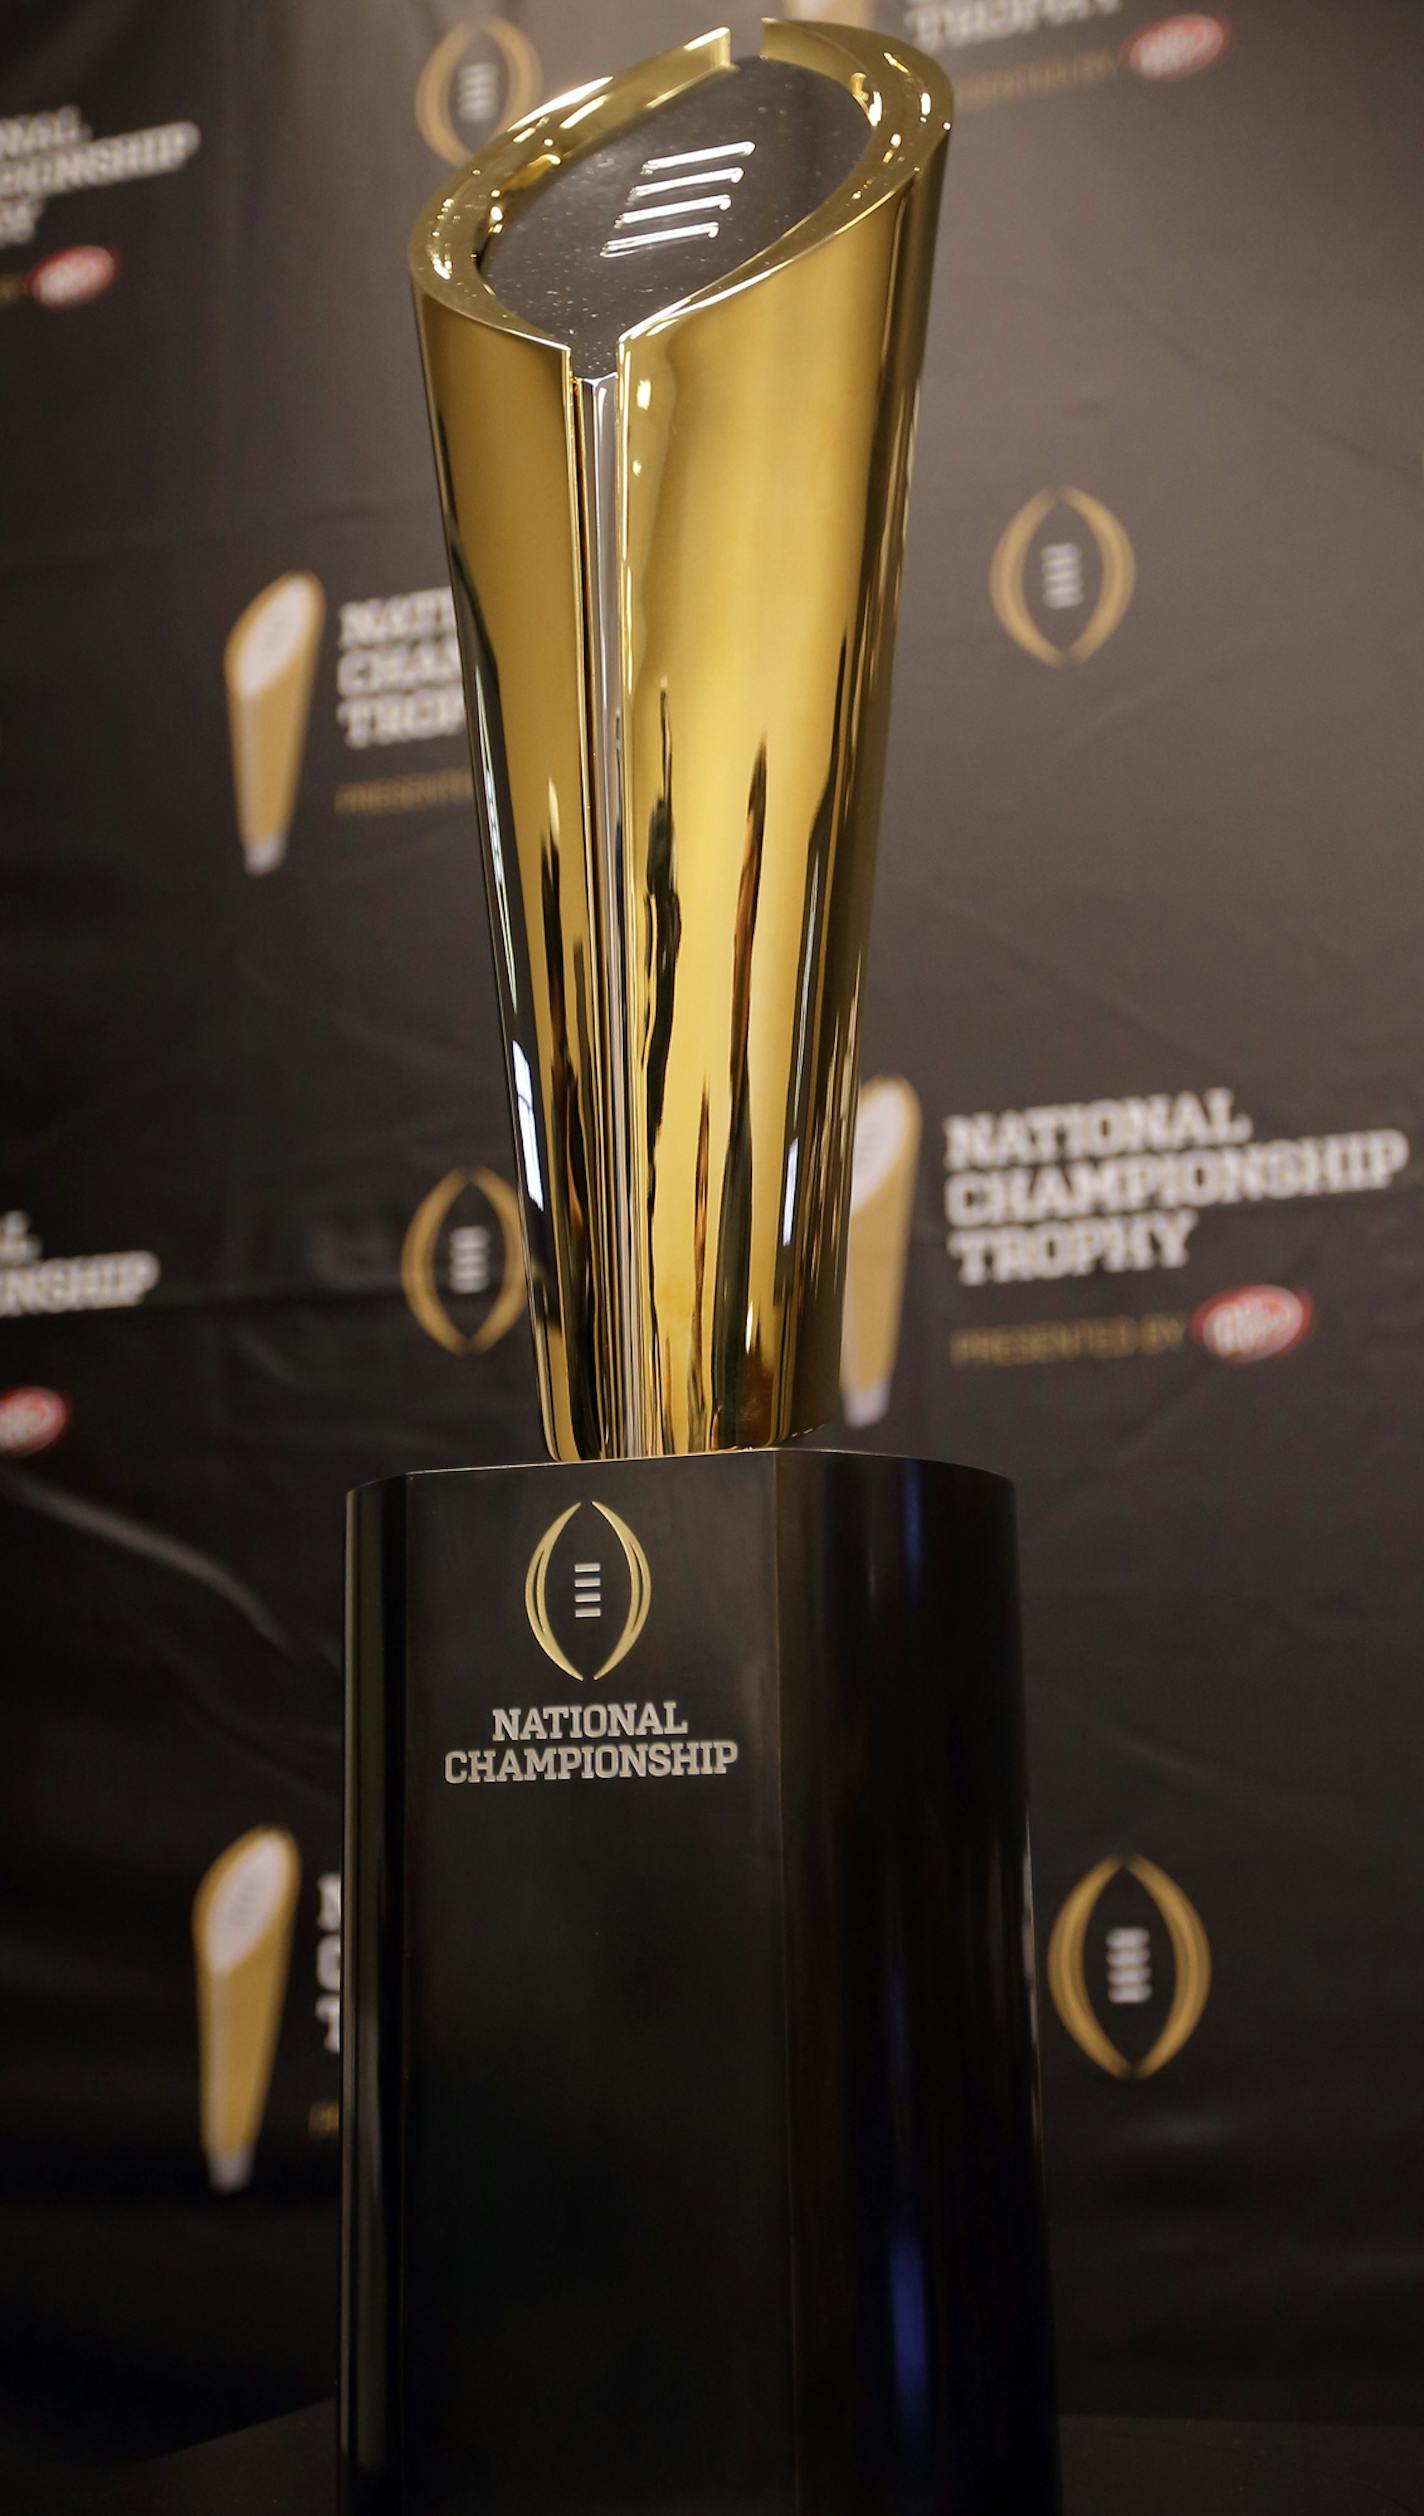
x,y
483,74
1063,586
471,1262
1128,1967
588,1592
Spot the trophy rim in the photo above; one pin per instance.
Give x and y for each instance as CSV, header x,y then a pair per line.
x,y
884,80
970,1472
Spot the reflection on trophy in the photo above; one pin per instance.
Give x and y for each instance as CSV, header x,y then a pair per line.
x,y
243,1916
882,1205
689,2147
270,665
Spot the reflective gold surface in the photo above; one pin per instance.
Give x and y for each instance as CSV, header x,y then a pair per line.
x,y
677,599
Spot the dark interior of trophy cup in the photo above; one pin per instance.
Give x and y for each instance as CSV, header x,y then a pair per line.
x,y
681,198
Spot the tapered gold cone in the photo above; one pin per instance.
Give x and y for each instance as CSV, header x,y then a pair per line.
x,y
676,586
269,664
243,1916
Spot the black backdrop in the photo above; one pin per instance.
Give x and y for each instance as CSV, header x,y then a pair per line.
x,y
1146,956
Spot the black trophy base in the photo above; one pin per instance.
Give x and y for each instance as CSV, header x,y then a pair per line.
x,y
689,2139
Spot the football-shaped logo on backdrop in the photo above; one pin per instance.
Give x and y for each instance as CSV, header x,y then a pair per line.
x,y
483,74
1129,1946
1062,576
462,1262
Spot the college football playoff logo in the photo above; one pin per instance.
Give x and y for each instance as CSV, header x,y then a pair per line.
x,y
1062,576
594,1590
462,1264
1126,1961
481,76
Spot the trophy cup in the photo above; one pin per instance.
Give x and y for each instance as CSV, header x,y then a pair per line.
x,y
689,2118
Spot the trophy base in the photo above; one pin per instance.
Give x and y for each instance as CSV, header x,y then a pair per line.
x,y
689,2100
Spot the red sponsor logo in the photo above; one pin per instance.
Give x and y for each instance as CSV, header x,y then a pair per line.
x,y
71,278
30,1419
1177,47
1253,1323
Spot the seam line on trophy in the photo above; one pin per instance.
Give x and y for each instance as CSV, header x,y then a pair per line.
x,y
598,410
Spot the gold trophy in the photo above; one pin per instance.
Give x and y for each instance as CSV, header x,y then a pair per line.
x,y
270,664
676,529
243,1915
688,2135
882,1207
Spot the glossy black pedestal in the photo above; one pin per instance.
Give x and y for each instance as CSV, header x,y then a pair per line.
x,y
1110,2468
690,2147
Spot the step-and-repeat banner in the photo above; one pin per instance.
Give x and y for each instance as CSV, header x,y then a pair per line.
x,y
1137,1212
